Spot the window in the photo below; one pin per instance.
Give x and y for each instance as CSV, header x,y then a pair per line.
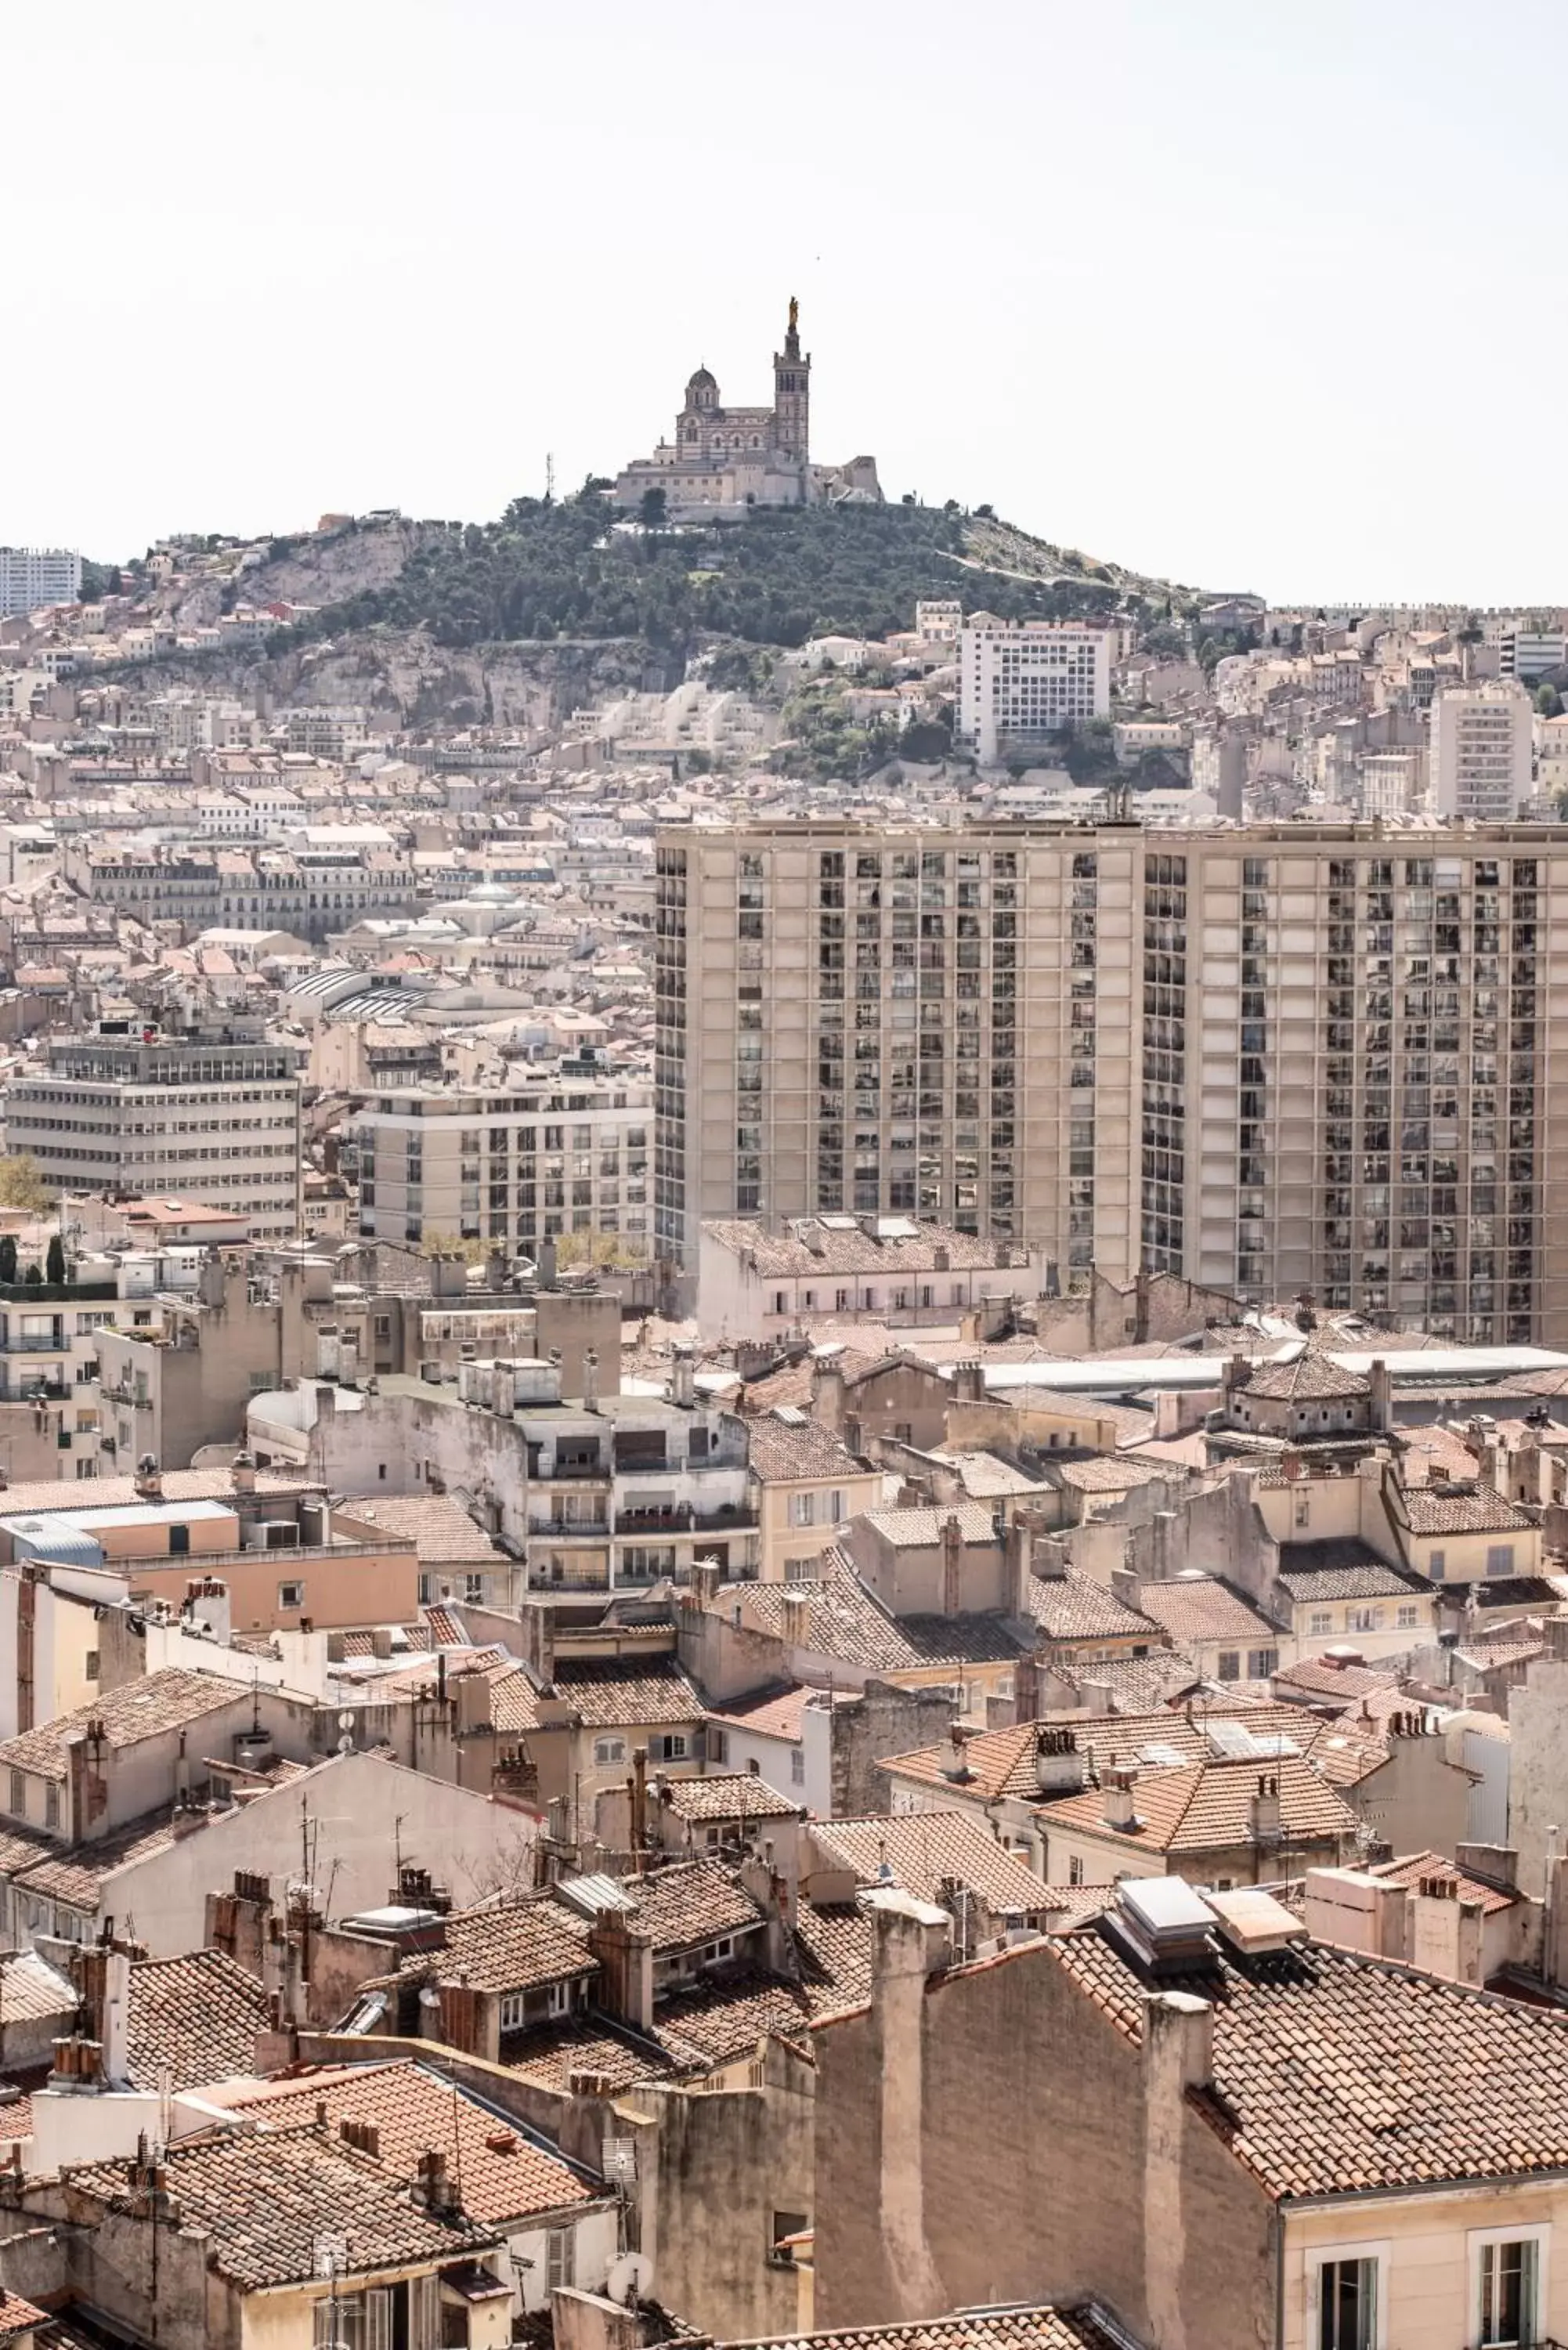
x,y
179,1541
835,1508
1229,1664
1364,1620
607,1751
1408,1619
1075,1869
718,1745
1499,1558
356,2320
1436,1565
670,1749
1346,2297
470,1590
18,1804
1507,2284
560,2267
800,1570
785,2224
1320,1620
1302,1509
1261,1663
291,1595
803,1509
52,1804
797,1766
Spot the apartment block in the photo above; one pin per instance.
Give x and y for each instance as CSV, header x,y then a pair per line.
x,y
35,575
210,1114
1302,1057
1020,686
568,1153
1483,739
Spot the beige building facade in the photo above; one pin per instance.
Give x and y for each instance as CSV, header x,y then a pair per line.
x,y
1301,1057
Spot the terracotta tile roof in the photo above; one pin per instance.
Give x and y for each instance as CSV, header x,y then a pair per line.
x,y
810,1245
983,2329
917,1850
548,2053
1207,1807
1202,1608
834,1950
627,1691
1334,2073
438,1527
18,2316
198,2015
1318,1572
1137,1684
726,1796
715,2022
515,1947
119,1493
986,1478
1444,1510
1079,1606
264,2202
773,1713
846,1621
782,1451
506,2173
74,1874
690,1902
142,1708
1112,1474
921,1529
1312,1378
1315,1678
985,1768
1411,1868
32,1991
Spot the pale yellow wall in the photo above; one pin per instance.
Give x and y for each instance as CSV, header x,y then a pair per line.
x,y
781,1540
1428,2295
1312,1509
1464,1555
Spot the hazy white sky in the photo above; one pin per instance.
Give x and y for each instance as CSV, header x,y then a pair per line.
x,y
1254,297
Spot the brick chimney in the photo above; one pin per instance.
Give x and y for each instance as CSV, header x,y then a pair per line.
x,y
1058,1763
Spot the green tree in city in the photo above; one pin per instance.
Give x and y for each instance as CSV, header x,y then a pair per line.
x,y
55,1261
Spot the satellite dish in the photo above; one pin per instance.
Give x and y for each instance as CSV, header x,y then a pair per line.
x,y
346,1743
345,1719
630,2279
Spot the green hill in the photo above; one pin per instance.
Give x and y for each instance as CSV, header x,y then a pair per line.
x,y
565,569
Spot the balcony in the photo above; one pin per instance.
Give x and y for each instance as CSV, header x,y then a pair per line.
x,y
680,1517
570,1529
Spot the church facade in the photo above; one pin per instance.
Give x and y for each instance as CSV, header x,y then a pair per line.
x,y
728,460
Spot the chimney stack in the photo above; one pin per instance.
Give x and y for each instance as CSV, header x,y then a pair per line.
x,y
952,1567
1266,1810
1120,1786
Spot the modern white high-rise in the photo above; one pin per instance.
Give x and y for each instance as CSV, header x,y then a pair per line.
x,y
32,576
1480,763
1020,686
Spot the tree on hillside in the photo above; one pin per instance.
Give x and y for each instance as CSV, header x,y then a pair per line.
x,y
654,511
1549,702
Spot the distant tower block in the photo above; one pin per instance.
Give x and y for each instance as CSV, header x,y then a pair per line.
x,y
792,391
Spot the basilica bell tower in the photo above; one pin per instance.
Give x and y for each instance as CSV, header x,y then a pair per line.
x,y
792,392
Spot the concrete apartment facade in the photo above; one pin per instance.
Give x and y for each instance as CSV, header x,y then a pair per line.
x,y
1311,1058
1019,685
33,576
214,1114
1482,744
570,1154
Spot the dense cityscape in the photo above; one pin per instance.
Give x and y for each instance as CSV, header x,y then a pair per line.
x,y
782,1352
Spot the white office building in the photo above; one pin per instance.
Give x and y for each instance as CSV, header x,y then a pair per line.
x,y
1020,686
32,576
212,1116
1480,761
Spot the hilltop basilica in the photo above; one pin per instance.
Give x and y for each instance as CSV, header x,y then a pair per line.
x,y
727,459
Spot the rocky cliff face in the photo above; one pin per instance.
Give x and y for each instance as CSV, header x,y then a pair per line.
x,y
405,677
314,569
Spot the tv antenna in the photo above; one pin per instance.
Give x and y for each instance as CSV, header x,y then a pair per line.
x,y
550,477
